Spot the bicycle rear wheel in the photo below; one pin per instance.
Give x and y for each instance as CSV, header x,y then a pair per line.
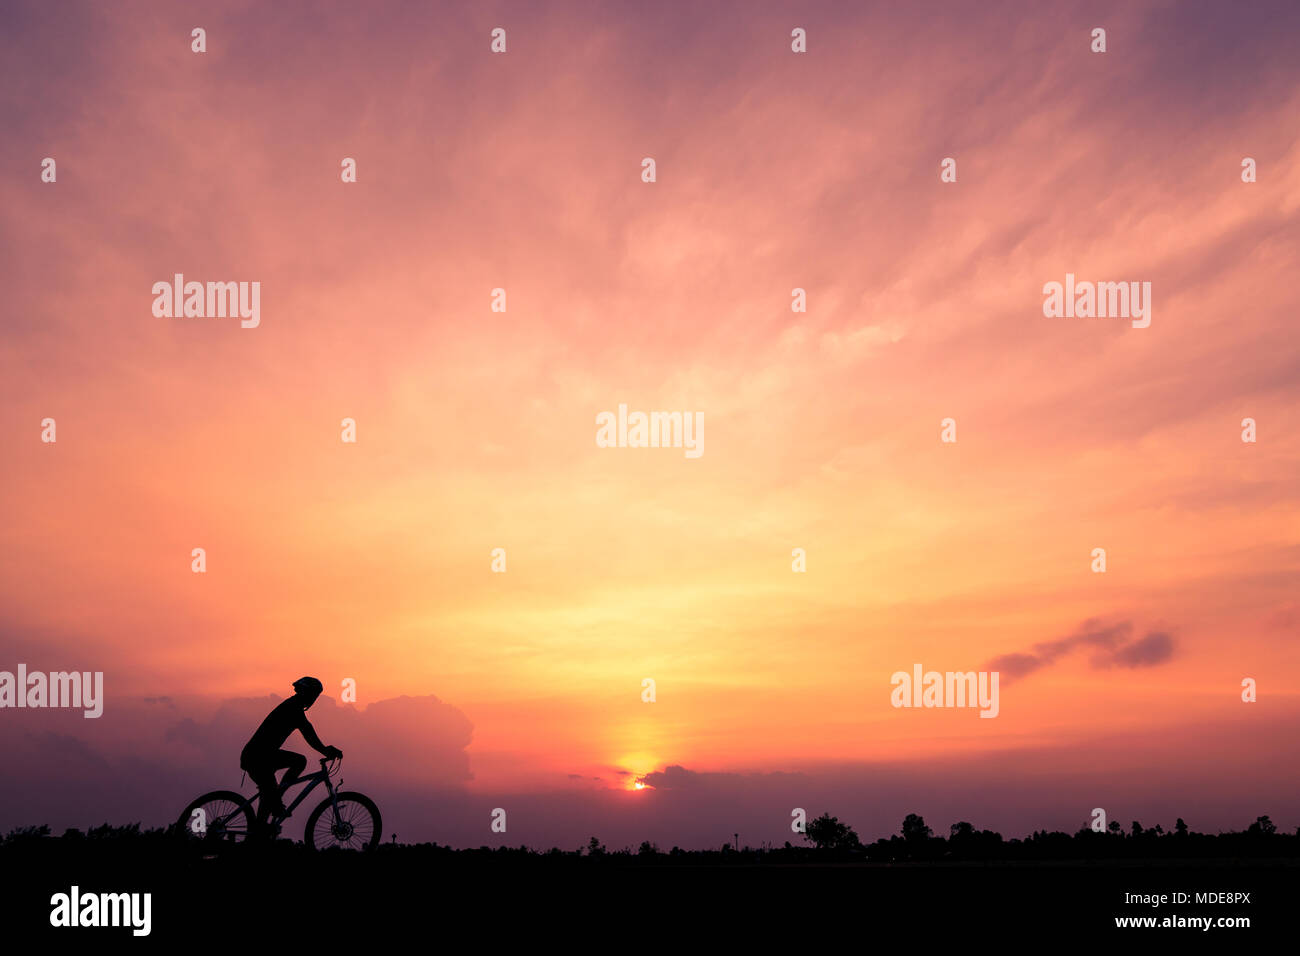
x,y
221,816
357,825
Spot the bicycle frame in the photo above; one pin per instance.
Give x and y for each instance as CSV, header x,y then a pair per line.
x,y
312,780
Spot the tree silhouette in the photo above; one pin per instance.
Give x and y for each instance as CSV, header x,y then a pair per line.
x,y
915,830
827,833
1262,826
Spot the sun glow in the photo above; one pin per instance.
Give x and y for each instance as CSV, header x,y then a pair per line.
x,y
634,767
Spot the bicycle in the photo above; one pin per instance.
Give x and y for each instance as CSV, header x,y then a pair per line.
x,y
350,820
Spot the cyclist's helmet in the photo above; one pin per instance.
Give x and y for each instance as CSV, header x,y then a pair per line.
x,y
308,687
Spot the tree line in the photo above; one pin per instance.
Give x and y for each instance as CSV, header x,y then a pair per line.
x,y
917,841
826,839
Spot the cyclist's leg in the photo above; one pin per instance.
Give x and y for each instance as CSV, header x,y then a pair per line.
x,y
262,773
296,764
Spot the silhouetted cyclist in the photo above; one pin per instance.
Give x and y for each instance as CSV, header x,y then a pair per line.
x,y
262,755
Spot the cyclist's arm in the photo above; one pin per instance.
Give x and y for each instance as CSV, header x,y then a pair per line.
x,y
309,735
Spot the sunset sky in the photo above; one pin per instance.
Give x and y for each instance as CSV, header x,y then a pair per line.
x,y
476,429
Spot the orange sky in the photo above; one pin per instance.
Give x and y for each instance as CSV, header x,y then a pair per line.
x,y
476,429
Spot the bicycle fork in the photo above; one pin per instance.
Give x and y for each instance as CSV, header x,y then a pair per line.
x,y
334,800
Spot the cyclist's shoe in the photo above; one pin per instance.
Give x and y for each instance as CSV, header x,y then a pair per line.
x,y
269,829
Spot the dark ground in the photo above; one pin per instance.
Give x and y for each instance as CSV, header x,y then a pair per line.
x,y
435,897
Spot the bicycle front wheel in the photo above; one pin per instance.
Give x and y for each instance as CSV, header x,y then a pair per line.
x,y
356,825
